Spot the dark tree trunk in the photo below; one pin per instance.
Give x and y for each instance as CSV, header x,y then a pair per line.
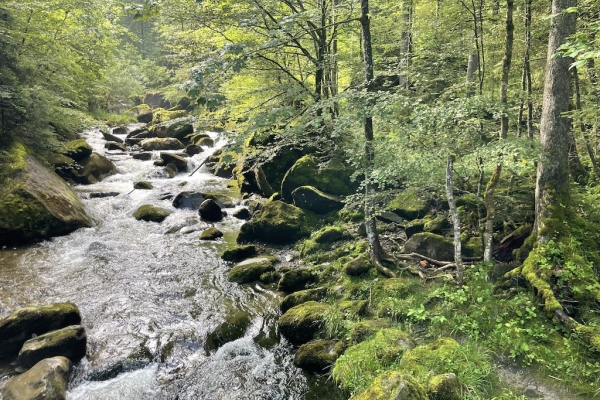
x,y
510,27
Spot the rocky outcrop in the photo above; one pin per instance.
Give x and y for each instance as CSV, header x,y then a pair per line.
x,y
312,199
19,326
151,214
177,128
94,168
35,203
68,342
161,144
47,380
279,223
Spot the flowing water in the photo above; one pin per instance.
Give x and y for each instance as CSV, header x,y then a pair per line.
x,y
151,295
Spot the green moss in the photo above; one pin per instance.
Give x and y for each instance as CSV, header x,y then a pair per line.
x,y
301,323
318,355
211,234
329,234
302,296
393,385
436,225
472,248
162,115
239,253
150,213
250,270
444,387
409,205
368,328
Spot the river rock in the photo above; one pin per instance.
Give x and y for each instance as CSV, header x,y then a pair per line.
x,y
118,130
103,195
47,380
180,162
431,245
250,270
20,325
171,170
192,150
151,214
143,185
300,324
302,296
211,234
188,199
197,137
78,149
205,142
210,211
35,203
393,385
242,213
110,137
310,198
177,128
444,387
318,355
295,280
161,144
235,325
279,223
94,168
145,117
133,141
142,156
115,146
357,266
239,253
68,342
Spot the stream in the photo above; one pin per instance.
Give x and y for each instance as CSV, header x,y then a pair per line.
x,y
151,294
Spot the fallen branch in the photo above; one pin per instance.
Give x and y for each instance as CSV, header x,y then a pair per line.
x,y
201,164
413,256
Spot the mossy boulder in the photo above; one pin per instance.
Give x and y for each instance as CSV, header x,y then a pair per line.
x,y
278,223
393,385
302,296
205,142
235,325
21,324
312,199
409,205
180,162
437,224
78,149
47,380
472,247
295,280
414,226
444,387
188,199
318,355
357,266
422,358
239,253
329,234
161,144
145,117
334,179
210,211
250,270
114,146
94,168
300,324
161,115
68,342
431,245
143,185
35,203
368,328
151,214
211,234
177,128
469,202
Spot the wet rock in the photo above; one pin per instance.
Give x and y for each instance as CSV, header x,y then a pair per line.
x,y
159,163
115,146
156,100
78,149
444,387
279,223
197,137
143,185
224,201
110,137
431,245
300,323
210,211
318,355
295,280
35,203
205,142
393,385
211,234
233,328
239,253
188,199
133,141
409,205
94,169
329,234
192,149
310,198
151,214
358,266
250,270
118,130
180,162
270,277
161,144
302,296
145,117
68,342
47,380
414,226
171,170
102,195
177,128
242,213
20,325
137,131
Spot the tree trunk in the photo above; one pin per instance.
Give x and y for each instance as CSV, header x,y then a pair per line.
x,y
552,185
506,67
584,132
491,213
526,90
472,66
455,220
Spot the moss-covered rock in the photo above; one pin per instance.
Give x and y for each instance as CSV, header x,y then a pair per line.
x,y
20,325
312,199
365,329
295,280
250,270
160,115
143,185
270,277
178,128
393,385
470,202
357,266
431,245
235,325
409,205
161,144
78,149
353,308
145,117
151,214
329,234
114,146
46,380
180,162
35,203
444,387
435,353
68,342
301,323
334,179
414,226
436,225
472,248
279,223
318,355
211,234
239,253
94,168
302,296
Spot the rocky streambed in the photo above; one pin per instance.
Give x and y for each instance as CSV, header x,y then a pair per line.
x,y
161,317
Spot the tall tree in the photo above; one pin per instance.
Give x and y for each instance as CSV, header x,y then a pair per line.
x,y
506,61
